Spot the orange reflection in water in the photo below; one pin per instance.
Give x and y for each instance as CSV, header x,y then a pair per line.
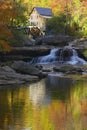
x,y
42,107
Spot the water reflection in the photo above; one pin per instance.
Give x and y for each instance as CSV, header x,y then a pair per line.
x,y
38,94
52,104
59,87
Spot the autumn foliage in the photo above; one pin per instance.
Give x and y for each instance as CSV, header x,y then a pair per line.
x,y
6,15
71,13
75,12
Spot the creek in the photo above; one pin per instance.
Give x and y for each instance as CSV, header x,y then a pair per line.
x,y
64,55
54,103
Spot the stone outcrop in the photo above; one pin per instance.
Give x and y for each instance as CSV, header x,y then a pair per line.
x,y
70,69
80,43
20,72
55,40
25,53
8,77
25,68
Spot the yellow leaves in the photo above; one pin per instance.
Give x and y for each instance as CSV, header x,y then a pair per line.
x,y
6,11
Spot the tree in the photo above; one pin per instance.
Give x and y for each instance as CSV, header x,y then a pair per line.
x,y
5,35
57,24
75,12
20,11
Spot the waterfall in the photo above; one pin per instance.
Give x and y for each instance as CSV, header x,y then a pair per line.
x,y
60,56
75,59
47,59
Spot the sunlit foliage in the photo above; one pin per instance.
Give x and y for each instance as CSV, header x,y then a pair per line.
x,y
11,14
16,13
75,12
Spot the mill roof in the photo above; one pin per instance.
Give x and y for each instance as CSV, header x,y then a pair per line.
x,y
44,11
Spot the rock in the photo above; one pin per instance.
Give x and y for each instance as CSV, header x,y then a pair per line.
x,y
55,40
12,82
65,53
7,69
30,51
80,43
25,53
9,76
29,42
70,69
63,68
26,68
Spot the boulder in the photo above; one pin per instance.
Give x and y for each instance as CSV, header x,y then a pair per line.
x,y
8,76
55,40
26,68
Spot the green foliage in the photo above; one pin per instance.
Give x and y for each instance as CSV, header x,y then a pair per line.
x,y
57,24
18,37
62,24
71,18
85,53
21,17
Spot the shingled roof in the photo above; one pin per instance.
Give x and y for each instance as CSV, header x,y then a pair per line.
x,y
44,11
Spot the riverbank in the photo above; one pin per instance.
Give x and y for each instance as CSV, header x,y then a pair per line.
x,y
20,71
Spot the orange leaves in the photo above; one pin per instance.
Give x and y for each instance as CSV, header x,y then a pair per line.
x,y
5,32
6,13
5,35
59,6
6,10
4,46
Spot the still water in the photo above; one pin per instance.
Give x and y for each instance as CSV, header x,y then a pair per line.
x,y
51,104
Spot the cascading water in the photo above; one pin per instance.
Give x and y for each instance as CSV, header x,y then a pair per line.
x,y
51,58
60,56
75,59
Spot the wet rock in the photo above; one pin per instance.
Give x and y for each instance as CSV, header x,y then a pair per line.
x,y
65,53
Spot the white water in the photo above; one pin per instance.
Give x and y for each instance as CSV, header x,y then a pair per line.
x,y
49,58
75,59
52,58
